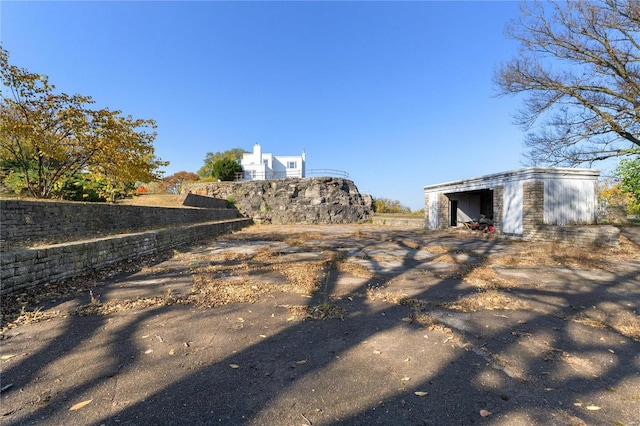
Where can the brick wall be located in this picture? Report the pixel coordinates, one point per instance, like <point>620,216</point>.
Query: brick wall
<point>498,208</point>
<point>25,268</point>
<point>532,206</point>
<point>426,211</point>
<point>443,211</point>
<point>580,235</point>
<point>33,220</point>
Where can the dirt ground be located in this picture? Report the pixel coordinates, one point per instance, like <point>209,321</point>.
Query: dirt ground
<point>341,324</point>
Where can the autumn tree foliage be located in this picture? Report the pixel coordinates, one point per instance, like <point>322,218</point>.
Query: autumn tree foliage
<point>173,183</point>
<point>387,205</point>
<point>579,69</point>
<point>48,138</point>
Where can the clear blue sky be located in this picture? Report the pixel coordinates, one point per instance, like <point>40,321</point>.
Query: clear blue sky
<point>397,94</point>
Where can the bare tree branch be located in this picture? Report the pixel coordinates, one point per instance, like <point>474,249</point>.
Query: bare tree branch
<point>579,69</point>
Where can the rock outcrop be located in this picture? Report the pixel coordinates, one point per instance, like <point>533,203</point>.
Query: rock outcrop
<point>292,200</point>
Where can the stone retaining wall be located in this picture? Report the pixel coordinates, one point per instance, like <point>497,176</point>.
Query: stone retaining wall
<point>33,220</point>
<point>195,200</point>
<point>292,200</point>
<point>28,268</point>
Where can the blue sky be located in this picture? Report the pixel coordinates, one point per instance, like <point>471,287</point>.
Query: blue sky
<point>397,94</point>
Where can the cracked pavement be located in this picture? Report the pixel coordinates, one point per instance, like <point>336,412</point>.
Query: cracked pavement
<point>338,324</point>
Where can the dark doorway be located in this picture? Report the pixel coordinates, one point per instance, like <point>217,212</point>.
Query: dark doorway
<point>453,209</point>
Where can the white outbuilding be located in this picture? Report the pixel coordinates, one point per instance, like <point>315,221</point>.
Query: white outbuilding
<point>519,202</point>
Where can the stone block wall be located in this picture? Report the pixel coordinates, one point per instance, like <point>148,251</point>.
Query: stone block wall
<point>34,220</point>
<point>26,268</point>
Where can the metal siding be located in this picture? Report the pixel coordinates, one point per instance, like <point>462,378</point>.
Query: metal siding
<point>512,208</point>
<point>433,211</point>
<point>568,202</point>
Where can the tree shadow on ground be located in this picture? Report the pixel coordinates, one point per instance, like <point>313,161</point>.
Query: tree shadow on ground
<point>379,365</point>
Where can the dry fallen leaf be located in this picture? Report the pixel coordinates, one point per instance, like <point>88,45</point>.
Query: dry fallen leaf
<point>593,408</point>
<point>377,352</point>
<point>79,405</point>
<point>420,393</point>
<point>485,413</point>
<point>302,361</point>
<point>7,356</point>
<point>234,366</point>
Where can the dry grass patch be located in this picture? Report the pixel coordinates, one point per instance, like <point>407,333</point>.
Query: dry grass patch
<point>157,200</point>
<point>29,317</point>
<point>437,249</point>
<point>565,254</point>
<point>326,311</point>
<point>321,311</point>
<point>304,238</point>
<point>487,300</point>
<point>355,269</point>
<point>97,308</point>
<point>377,293</point>
<point>412,244</point>
<point>486,277</point>
<point>210,292</point>
<point>305,277</point>
<point>624,322</point>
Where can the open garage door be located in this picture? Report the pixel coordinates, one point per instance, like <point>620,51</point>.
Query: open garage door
<point>470,206</point>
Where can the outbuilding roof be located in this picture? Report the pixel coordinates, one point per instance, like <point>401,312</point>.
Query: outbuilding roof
<point>529,173</point>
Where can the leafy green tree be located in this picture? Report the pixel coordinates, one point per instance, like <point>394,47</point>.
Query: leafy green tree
<point>579,68</point>
<point>628,172</point>
<point>226,169</point>
<point>48,138</point>
<point>80,187</point>
<point>211,158</point>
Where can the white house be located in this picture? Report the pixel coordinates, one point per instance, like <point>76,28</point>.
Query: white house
<point>263,166</point>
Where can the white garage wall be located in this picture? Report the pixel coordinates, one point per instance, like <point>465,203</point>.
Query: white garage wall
<point>512,208</point>
<point>433,211</point>
<point>568,202</point>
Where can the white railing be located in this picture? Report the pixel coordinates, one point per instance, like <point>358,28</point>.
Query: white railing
<point>252,175</point>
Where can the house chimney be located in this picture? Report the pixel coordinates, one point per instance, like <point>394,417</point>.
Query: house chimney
<point>257,153</point>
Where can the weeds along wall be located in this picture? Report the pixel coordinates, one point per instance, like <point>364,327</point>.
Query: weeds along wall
<point>40,220</point>
<point>47,242</point>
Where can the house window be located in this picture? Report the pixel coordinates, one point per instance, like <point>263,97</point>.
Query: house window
<point>266,162</point>
<point>253,174</point>
<point>292,165</point>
